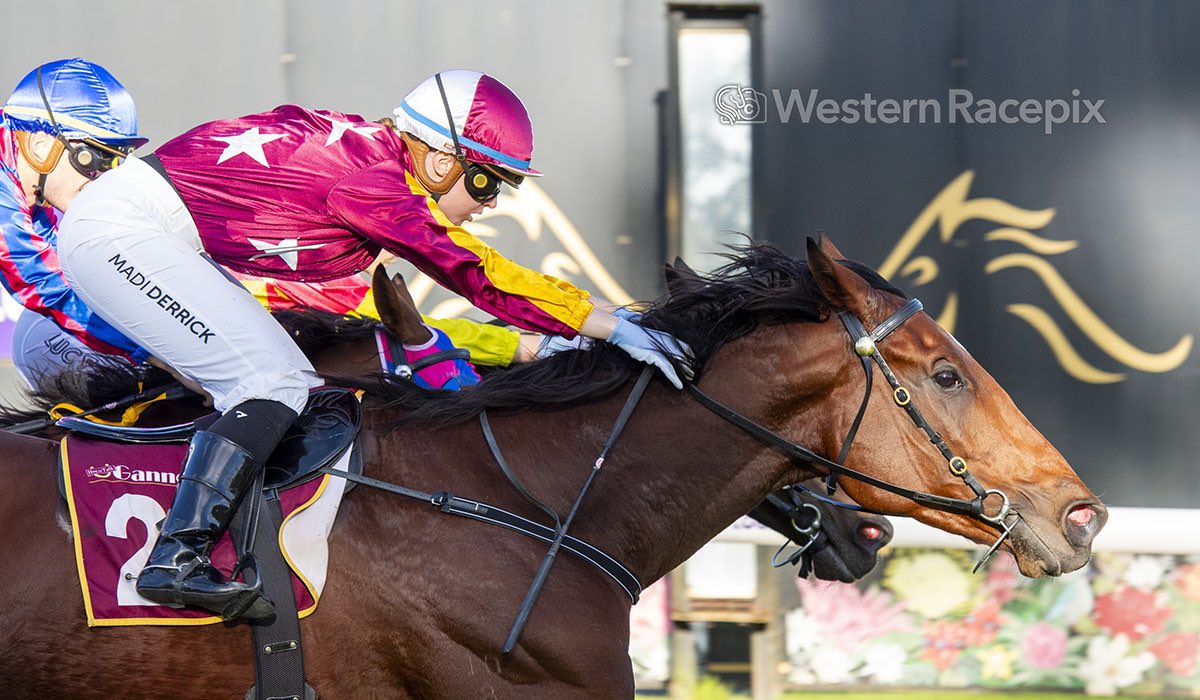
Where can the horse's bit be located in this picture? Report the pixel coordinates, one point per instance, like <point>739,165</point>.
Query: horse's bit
<point>795,512</point>
<point>866,346</point>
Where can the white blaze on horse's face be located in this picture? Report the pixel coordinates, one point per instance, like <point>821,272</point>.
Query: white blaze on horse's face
<point>1055,516</point>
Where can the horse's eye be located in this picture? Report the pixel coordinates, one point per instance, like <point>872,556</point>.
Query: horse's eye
<point>947,379</point>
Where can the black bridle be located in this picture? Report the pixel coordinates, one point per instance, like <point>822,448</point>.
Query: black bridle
<point>866,347</point>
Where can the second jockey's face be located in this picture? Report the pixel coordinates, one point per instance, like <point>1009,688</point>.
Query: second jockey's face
<point>459,206</point>
<point>61,184</point>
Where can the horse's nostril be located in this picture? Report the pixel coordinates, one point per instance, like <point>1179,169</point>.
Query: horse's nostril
<point>870,533</point>
<point>1082,522</point>
<point>1081,515</point>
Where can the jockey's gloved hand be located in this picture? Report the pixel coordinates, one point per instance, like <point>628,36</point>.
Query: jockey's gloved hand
<point>627,314</point>
<point>556,343</point>
<point>650,346</point>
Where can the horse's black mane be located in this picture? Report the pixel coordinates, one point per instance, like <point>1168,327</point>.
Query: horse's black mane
<point>760,285</point>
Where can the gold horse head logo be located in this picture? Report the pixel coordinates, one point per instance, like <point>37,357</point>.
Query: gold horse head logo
<point>950,209</point>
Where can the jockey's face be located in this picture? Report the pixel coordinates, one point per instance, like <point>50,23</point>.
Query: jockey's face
<point>62,183</point>
<point>459,206</point>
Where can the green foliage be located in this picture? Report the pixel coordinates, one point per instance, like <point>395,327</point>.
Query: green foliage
<point>710,688</point>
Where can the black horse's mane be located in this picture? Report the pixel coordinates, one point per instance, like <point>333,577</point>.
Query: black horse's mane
<point>759,285</point>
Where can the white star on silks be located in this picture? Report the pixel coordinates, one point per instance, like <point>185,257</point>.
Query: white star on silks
<point>287,249</point>
<point>339,129</point>
<point>249,142</point>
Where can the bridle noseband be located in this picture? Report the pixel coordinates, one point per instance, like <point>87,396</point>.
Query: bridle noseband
<point>866,347</point>
<point>393,358</point>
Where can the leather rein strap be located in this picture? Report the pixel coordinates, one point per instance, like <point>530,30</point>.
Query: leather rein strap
<point>639,388</point>
<point>487,513</point>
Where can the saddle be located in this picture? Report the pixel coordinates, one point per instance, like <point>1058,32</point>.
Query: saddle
<point>321,437</point>
<point>322,433</point>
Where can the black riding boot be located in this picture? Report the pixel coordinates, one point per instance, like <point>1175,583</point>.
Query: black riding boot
<point>216,475</point>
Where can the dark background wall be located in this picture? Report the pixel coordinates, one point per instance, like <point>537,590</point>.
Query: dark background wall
<point>1126,191</point>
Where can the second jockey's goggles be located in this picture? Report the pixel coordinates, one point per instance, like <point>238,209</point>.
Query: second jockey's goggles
<point>93,158</point>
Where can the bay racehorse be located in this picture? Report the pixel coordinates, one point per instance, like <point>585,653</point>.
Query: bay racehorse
<point>417,604</point>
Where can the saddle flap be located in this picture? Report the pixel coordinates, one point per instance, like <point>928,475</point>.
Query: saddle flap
<point>320,435</point>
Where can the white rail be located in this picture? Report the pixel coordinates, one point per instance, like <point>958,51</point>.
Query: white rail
<point>1135,530</point>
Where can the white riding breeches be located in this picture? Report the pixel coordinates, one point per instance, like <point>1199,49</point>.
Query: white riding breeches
<point>129,248</point>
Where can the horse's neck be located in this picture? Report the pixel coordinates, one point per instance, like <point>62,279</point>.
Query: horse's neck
<point>677,476</point>
<point>680,474</point>
<point>351,359</point>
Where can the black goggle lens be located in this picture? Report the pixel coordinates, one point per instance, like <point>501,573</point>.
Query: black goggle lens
<point>93,159</point>
<point>482,186</point>
<point>484,181</point>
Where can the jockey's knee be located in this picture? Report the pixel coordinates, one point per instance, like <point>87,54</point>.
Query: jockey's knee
<point>256,426</point>
<point>284,385</point>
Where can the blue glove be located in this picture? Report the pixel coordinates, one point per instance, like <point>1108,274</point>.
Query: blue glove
<point>556,343</point>
<point>627,313</point>
<point>650,346</point>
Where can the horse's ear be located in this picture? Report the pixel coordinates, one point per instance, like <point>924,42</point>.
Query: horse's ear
<point>397,309</point>
<point>677,272</point>
<point>827,245</point>
<point>684,267</point>
<point>842,287</point>
<point>672,274</point>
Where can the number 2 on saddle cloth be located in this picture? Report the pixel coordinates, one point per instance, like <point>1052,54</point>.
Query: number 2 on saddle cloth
<point>113,493</point>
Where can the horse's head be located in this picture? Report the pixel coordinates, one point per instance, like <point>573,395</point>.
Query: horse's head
<point>840,544</point>
<point>1055,515</point>
<point>422,353</point>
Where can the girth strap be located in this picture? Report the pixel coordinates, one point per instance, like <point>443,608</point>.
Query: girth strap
<point>278,650</point>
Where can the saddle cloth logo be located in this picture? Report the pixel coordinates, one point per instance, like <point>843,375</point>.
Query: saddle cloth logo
<point>118,493</point>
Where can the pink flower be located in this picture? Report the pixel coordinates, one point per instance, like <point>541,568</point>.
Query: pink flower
<point>1178,652</point>
<point>852,617</point>
<point>982,624</point>
<point>1044,645</point>
<point>943,644</point>
<point>1002,580</point>
<point>1131,612</point>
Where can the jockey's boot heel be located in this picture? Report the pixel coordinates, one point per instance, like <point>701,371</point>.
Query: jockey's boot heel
<point>215,477</point>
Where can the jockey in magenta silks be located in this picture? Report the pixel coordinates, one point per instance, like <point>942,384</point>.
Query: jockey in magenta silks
<point>304,195</point>
<point>65,123</point>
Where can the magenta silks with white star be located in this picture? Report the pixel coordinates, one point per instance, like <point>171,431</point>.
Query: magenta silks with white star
<point>311,195</point>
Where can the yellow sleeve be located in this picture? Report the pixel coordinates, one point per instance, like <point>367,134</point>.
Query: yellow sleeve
<point>490,346</point>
